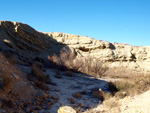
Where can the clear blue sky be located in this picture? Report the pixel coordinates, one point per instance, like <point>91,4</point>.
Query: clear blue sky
<point>124,21</point>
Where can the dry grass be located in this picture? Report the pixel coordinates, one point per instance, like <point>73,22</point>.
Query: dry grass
<point>77,95</point>
<point>111,103</point>
<point>93,67</point>
<point>10,56</point>
<point>41,79</point>
<point>14,89</point>
<point>37,70</point>
<point>6,82</point>
<point>72,101</point>
<point>120,89</point>
<point>12,60</point>
<point>41,85</point>
<point>131,87</point>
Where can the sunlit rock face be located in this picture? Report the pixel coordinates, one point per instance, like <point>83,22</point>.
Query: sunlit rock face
<point>122,59</point>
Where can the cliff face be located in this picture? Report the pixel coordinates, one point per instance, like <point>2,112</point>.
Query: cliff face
<point>122,59</point>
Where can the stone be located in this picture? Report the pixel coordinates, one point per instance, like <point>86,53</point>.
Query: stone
<point>66,109</point>
<point>8,43</point>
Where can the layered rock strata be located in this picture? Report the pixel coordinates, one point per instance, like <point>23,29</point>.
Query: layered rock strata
<point>122,59</point>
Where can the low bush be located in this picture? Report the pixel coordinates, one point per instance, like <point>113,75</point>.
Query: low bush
<point>41,79</point>
<point>10,56</point>
<point>37,70</point>
<point>94,67</point>
<point>86,65</point>
<point>7,82</point>
<point>69,73</point>
<point>41,85</point>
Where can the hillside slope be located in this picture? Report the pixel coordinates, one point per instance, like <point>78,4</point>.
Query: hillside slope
<point>121,59</point>
<point>48,64</point>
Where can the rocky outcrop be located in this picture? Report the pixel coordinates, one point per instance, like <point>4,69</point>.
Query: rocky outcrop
<point>105,50</point>
<point>66,109</point>
<point>122,59</point>
<point>26,41</point>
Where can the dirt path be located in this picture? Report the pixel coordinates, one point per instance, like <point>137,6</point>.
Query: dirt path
<point>66,87</point>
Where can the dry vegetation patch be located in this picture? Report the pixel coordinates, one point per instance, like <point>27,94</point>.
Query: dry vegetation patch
<point>6,81</point>
<point>69,73</point>
<point>14,89</point>
<point>86,65</point>
<point>120,89</point>
<point>38,76</point>
<point>131,86</point>
<point>10,55</point>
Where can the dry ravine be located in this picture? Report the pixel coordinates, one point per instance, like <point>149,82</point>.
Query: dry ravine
<point>66,87</point>
<point>41,72</point>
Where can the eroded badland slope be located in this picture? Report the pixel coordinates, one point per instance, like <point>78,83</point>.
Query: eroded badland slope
<point>32,68</point>
<point>129,59</point>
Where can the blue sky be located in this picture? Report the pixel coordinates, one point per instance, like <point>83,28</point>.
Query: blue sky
<point>123,21</point>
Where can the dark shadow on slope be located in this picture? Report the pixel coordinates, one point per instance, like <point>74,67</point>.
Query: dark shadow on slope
<point>79,90</point>
<point>29,45</point>
<point>27,42</point>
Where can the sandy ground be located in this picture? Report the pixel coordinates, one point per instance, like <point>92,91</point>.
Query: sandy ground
<point>137,104</point>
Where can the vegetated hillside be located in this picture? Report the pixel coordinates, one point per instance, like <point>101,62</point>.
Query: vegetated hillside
<point>36,66</point>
